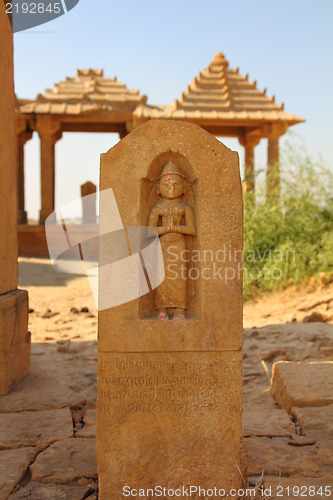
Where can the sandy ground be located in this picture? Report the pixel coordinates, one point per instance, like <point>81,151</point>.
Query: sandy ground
<point>52,455</point>
<point>56,301</point>
<point>293,304</point>
<point>63,325</point>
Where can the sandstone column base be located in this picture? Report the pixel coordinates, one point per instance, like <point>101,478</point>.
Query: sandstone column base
<point>43,214</point>
<point>14,339</point>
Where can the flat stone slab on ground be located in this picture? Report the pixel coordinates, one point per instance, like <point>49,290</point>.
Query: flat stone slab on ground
<point>13,466</point>
<point>40,491</point>
<point>66,461</point>
<point>38,391</point>
<point>89,428</point>
<point>27,428</point>
<point>300,487</point>
<point>302,384</point>
<point>76,371</point>
<point>275,456</point>
<point>266,420</point>
<point>316,423</point>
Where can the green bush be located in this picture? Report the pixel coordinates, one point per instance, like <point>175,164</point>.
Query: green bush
<point>289,238</point>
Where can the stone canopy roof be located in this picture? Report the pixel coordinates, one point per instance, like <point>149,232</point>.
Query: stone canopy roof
<point>219,99</point>
<point>88,91</point>
<point>221,94</point>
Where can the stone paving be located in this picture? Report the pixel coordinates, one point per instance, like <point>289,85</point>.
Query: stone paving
<point>48,423</point>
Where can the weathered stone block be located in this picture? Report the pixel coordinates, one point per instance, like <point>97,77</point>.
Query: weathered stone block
<point>13,466</point>
<point>29,428</point>
<point>12,372</point>
<point>316,423</point>
<point>66,461</point>
<point>302,384</point>
<point>277,457</point>
<point>14,339</point>
<point>266,420</point>
<point>13,323</point>
<point>39,491</point>
<point>38,391</point>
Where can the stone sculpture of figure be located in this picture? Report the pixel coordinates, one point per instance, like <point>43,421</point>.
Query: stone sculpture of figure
<point>173,219</point>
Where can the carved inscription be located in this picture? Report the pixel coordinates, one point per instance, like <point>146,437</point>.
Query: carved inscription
<point>177,386</point>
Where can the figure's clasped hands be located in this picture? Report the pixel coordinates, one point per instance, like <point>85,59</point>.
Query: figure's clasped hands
<point>172,228</point>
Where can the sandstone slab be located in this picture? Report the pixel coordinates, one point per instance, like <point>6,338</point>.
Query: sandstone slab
<point>316,423</point>
<point>40,491</point>
<point>76,371</point>
<point>14,370</point>
<point>13,319</point>
<point>14,339</point>
<point>302,384</point>
<point>13,466</point>
<point>29,428</point>
<point>276,457</point>
<point>266,420</point>
<point>66,461</point>
<point>38,391</point>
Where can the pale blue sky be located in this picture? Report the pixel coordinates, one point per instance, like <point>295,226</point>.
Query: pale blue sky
<point>158,47</point>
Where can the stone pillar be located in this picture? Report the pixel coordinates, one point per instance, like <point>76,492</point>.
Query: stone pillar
<point>88,204</point>
<point>273,168</point>
<point>249,141</point>
<point>22,138</point>
<point>170,390</point>
<point>49,132</point>
<point>14,336</point>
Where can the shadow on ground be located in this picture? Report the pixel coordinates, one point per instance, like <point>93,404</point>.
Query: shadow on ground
<point>39,272</point>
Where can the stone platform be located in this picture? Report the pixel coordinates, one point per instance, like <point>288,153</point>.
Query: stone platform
<point>31,238</point>
<point>48,423</point>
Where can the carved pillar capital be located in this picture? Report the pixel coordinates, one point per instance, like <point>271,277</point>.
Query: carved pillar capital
<point>24,137</point>
<point>48,126</point>
<point>275,130</point>
<point>250,139</point>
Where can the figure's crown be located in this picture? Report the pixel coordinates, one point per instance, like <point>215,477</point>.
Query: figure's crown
<point>170,168</point>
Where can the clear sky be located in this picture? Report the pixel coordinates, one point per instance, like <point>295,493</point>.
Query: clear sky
<point>159,46</point>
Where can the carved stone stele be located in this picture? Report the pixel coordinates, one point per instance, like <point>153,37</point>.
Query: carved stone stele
<point>170,392</point>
